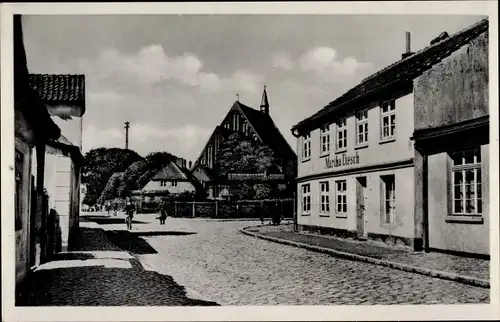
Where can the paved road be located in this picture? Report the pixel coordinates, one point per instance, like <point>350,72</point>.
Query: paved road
<point>220,264</point>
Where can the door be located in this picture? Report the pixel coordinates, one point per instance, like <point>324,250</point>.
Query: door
<point>360,207</point>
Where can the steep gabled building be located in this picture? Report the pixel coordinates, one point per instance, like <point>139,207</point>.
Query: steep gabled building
<point>253,125</point>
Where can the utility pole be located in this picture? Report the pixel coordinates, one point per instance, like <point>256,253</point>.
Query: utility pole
<point>127,126</point>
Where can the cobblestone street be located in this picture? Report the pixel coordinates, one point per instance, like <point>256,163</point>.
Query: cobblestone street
<point>220,264</point>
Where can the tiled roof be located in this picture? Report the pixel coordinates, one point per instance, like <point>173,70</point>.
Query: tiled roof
<point>170,172</point>
<point>404,70</point>
<point>25,98</point>
<point>56,88</point>
<point>267,131</point>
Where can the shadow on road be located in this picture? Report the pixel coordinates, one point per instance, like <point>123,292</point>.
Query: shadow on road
<point>105,220</point>
<point>129,242</point>
<point>102,286</point>
<point>84,279</point>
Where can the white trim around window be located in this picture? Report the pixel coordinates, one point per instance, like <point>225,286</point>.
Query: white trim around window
<point>341,198</point>
<point>306,199</point>
<point>388,194</point>
<point>324,139</point>
<point>466,183</point>
<point>362,128</point>
<point>306,147</point>
<point>388,120</point>
<point>324,188</point>
<point>341,138</point>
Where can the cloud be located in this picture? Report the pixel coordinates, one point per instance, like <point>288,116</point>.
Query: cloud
<point>323,63</point>
<point>150,65</point>
<point>283,61</point>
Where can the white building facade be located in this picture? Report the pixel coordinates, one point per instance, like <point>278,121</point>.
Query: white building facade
<point>355,172</point>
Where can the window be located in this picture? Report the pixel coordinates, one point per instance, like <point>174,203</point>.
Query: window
<point>341,193</point>
<point>388,192</point>
<point>163,183</point>
<point>362,127</point>
<point>466,181</point>
<point>245,127</point>
<point>325,139</point>
<point>341,134</point>
<point>388,115</point>
<point>236,122</point>
<point>306,198</point>
<point>227,125</point>
<point>209,155</point>
<point>306,150</point>
<point>174,183</point>
<point>325,197</point>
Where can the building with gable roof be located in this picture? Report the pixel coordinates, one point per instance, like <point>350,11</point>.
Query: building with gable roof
<point>38,134</point>
<point>173,179</point>
<point>254,125</point>
<point>357,156</point>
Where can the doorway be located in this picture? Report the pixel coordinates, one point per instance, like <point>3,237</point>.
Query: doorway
<point>361,207</point>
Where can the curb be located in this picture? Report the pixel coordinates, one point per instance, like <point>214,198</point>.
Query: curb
<point>468,280</point>
<point>235,219</point>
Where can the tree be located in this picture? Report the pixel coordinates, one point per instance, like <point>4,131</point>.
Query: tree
<point>99,165</point>
<point>140,173</point>
<point>237,154</point>
<point>111,189</point>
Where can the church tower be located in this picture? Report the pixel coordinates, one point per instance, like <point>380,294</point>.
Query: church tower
<point>264,103</point>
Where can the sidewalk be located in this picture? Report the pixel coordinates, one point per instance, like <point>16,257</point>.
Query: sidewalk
<point>470,271</point>
<point>99,273</point>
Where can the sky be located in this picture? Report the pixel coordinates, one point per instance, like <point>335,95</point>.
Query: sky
<point>174,77</point>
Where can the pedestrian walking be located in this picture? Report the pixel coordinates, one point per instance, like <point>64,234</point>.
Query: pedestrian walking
<point>129,211</point>
<point>115,208</point>
<point>162,209</point>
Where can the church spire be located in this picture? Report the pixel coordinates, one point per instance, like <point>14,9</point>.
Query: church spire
<point>264,103</point>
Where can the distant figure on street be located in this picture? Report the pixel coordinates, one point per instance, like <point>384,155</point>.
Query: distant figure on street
<point>115,208</point>
<point>129,211</point>
<point>162,209</point>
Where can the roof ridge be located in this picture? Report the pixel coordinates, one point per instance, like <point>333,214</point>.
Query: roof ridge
<point>364,85</point>
<point>456,34</point>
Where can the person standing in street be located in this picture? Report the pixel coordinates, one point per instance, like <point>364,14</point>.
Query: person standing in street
<point>129,212</point>
<point>162,208</point>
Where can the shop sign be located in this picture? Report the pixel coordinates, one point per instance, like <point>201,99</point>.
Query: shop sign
<point>342,160</point>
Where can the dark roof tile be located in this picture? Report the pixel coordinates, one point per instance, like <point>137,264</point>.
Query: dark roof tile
<point>58,88</point>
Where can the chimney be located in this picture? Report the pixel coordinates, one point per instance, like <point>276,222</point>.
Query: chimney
<point>190,164</point>
<point>408,51</point>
